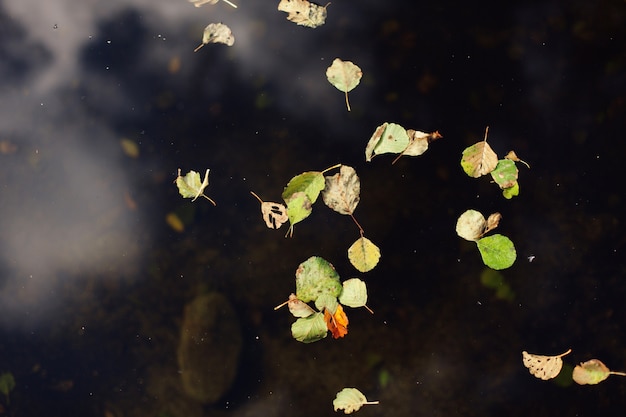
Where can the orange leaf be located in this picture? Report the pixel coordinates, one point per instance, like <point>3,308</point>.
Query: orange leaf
<point>337,323</point>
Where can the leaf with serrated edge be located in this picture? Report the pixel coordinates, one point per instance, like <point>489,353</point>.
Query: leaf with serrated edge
<point>344,75</point>
<point>309,329</point>
<point>388,138</point>
<point>354,293</point>
<point>364,254</point>
<point>190,186</point>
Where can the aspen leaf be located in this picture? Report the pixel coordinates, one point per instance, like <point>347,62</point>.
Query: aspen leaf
<point>274,214</point>
<point>341,192</point>
<point>190,186</point>
<point>336,322</point>
<point>543,367</point>
<point>497,251</point>
<point>354,293</point>
<point>592,372</point>
<point>309,329</point>
<point>388,138</point>
<point>216,33</point>
<point>470,225</point>
<point>199,3</point>
<point>315,277</point>
<point>364,254</point>
<point>345,76</point>
<point>303,12</point>
<point>479,159</point>
<point>505,173</point>
<point>350,400</point>
<point>299,207</point>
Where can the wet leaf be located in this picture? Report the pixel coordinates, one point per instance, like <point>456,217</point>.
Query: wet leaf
<point>315,277</point>
<point>418,143</point>
<point>309,329</point>
<point>479,159</point>
<point>303,12</point>
<point>130,148</point>
<point>350,400</point>
<point>511,192</point>
<point>354,293</point>
<point>470,225</point>
<point>592,372</point>
<point>310,183</point>
<point>364,254</point>
<point>344,75</point>
<point>274,214</point>
<point>326,301</point>
<point>190,186</point>
<point>497,251</point>
<point>342,191</point>
<point>505,173</point>
<point>199,3</point>
<point>175,222</point>
<point>543,367</point>
<point>388,138</point>
<point>297,307</point>
<point>299,207</point>
<point>216,33</point>
<point>336,322</point>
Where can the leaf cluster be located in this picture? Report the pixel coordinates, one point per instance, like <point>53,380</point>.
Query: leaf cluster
<point>318,282</point>
<point>393,138</point>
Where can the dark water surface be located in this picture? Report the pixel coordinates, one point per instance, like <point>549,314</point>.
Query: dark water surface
<point>93,280</point>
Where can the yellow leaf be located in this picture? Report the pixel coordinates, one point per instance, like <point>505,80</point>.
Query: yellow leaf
<point>543,367</point>
<point>363,254</point>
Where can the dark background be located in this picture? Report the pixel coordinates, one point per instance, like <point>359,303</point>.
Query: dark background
<point>93,281</point>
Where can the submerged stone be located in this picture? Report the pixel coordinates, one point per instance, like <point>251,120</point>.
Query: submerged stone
<point>209,347</point>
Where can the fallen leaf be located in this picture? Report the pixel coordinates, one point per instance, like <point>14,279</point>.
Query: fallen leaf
<point>274,214</point>
<point>216,33</point>
<point>543,367</point>
<point>342,191</point>
<point>513,157</point>
<point>175,222</point>
<point>297,307</point>
<point>354,293</point>
<point>350,400</point>
<point>497,251</point>
<point>418,143</point>
<point>315,277</point>
<point>344,75</point>
<point>471,225</point>
<point>592,372</point>
<point>309,329</point>
<point>337,323</point>
<point>303,12</point>
<point>364,254</point>
<point>388,138</point>
<point>479,159</point>
<point>190,186</point>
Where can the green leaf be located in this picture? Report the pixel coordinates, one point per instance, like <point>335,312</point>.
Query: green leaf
<point>350,400</point>
<point>354,293</point>
<point>310,183</point>
<point>363,254</point>
<point>190,186</point>
<point>497,251</point>
<point>388,138</point>
<point>592,372</point>
<point>316,277</point>
<point>309,329</point>
<point>511,192</point>
<point>505,173</point>
<point>298,209</point>
<point>326,301</point>
<point>344,75</point>
<point>471,225</point>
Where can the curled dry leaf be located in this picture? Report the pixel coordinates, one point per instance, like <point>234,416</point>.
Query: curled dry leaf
<point>513,157</point>
<point>350,400</point>
<point>190,186</point>
<point>274,214</point>
<point>592,372</point>
<point>216,33</point>
<point>543,367</point>
<point>303,12</point>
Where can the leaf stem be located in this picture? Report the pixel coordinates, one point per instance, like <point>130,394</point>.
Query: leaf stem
<point>361,232</point>
<point>347,102</point>
<point>618,373</point>
<point>232,4</point>
<point>257,197</point>
<point>328,169</point>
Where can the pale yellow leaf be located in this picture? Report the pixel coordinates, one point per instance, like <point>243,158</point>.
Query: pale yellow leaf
<point>542,366</point>
<point>363,254</point>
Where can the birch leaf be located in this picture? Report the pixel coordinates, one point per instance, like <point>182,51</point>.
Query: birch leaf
<point>418,143</point>
<point>543,367</point>
<point>309,329</point>
<point>354,293</point>
<point>344,75</point>
<point>364,254</point>
<point>216,33</point>
<point>314,277</point>
<point>505,173</point>
<point>497,251</point>
<point>350,400</point>
<point>310,183</point>
<point>470,225</point>
<point>199,3</point>
<point>342,191</point>
<point>303,12</point>
<point>298,307</point>
<point>299,207</point>
<point>479,159</point>
<point>388,138</point>
<point>592,372</point>
<point>274,214</point>
<point>190,186</point>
